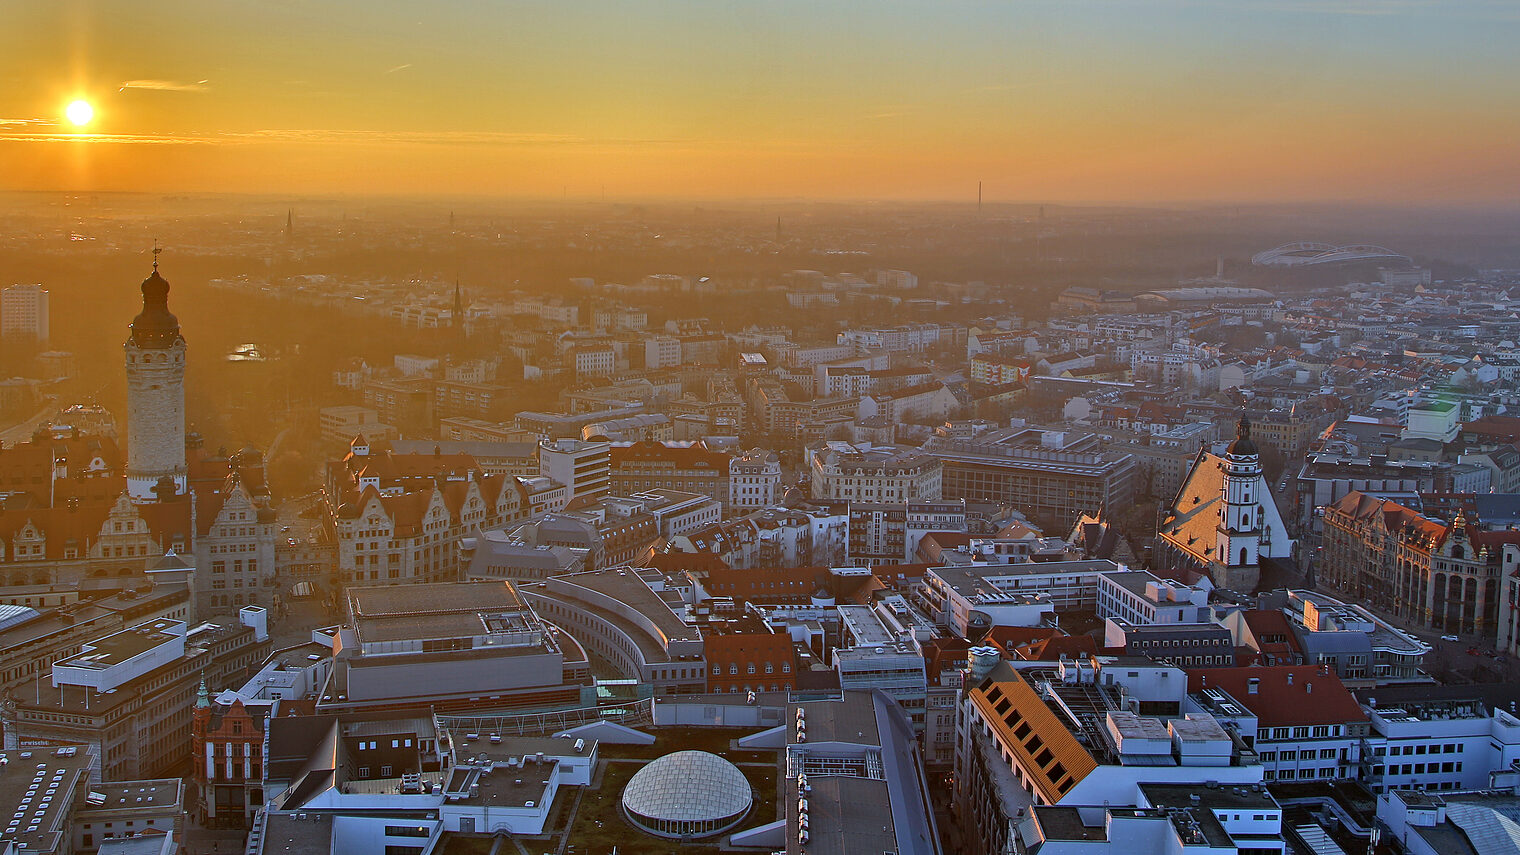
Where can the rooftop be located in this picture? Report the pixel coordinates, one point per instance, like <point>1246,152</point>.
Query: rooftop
<point>119,647</point>
<point>1254,797</point>
<point>627,586</point>
<point>837,720</point>
<point>135,795</point>
<point>37,790</point>
<point>971,579</point>
<point>286,834</point>
<point>517,787</point>
<point>442,610</point>
<point>847,815</point>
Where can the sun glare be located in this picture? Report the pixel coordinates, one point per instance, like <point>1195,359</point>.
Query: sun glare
<point>80,112</point>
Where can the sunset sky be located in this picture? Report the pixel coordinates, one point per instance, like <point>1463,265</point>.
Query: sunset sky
<point>1067,100</point>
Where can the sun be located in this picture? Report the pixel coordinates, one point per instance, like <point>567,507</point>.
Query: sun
<point>79,112</point>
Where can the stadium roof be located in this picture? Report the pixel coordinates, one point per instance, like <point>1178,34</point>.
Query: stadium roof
<point>1307,253</point>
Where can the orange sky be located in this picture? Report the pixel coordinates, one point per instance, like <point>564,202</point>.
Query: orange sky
<point>1079,100</point>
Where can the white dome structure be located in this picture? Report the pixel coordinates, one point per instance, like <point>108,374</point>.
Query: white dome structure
<point>687,794</point>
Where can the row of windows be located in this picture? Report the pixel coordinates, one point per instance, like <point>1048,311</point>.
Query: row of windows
<point>1302,774</point>
<point>1306,754</point>
<point>1316,732</point>
<point>1419,768</point>
<point>733,669</point>
<point>1409,750</point>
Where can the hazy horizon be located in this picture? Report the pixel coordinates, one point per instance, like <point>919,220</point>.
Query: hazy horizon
<point>1160,102</point>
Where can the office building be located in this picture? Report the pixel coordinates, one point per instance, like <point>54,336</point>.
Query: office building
<point>1051,477</point>
<point>460,646</point>
<point>24,312</point>
<point>130,694</point>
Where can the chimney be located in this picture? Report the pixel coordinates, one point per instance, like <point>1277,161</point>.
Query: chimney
<point>1308,688</point>
<point>1290,678</point>
<point>1252,685</point>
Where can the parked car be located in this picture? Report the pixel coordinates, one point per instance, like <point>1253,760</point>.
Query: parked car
<point>1450,638</point>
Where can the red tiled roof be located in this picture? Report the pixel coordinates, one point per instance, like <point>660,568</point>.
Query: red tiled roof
<point>168,520</point>
<point>697,563</point>
<point>944,654</point>
<point>892,573</point>
<point>1056,646</point>
<point>934,544</point>
<point>1286,696</point>
<point>1010,637</point>
<point>680,457</point>
<point>782,584</point>
<point>1270,623</point>
<point>1498,426</point>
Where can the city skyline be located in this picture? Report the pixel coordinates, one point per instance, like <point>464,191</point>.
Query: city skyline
<point>1126,102</point>
<point>1053,427</point>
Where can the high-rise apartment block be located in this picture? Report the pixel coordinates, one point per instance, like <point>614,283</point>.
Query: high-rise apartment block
<point>24,312</point>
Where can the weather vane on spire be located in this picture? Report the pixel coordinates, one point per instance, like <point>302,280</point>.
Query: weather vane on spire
<point>156,250</point>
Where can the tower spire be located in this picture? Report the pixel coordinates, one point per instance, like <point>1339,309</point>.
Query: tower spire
<point>155,363</point>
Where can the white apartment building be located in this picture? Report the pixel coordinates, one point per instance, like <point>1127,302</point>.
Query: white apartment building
<point>865,473</point>
<point>584,467</point>
<point>1437,420</point>
<point>1302,722</point>
<point>663,351</point>
<point>1440,745</point>
<point>909,337</point>
<point>595,361</point>
<point>754,479</point>
<point>1140,598</point>
<point>412,365</point>
<point>950,594</point>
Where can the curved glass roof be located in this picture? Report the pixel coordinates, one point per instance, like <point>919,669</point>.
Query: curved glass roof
<point>688,786</point>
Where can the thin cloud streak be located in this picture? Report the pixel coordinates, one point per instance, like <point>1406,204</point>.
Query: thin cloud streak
<point>332,137</point>
<point>165,86</point>
<point>329,137</point>
<point>394,69</point>
<point>128,139</point>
